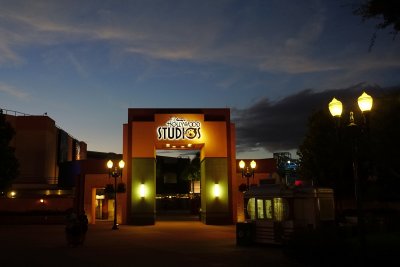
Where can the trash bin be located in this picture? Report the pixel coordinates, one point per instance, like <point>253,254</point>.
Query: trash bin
<point>244,233</point>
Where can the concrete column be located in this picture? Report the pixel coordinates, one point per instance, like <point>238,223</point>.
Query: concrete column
<point>142,192</point>
<point>215,209</point>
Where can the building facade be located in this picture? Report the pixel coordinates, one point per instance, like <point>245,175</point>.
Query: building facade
<point>56,172</point>
<point>41,148</point>
<point>208,130</point>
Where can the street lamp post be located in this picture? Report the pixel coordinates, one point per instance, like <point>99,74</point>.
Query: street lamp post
<point>117,172</point>
<point>365,104</point>
<point>246,171</point>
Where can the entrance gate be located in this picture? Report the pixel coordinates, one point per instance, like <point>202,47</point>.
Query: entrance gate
<point>208,130</point>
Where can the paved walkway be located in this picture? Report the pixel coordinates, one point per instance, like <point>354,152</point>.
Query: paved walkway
<point>169,244</point>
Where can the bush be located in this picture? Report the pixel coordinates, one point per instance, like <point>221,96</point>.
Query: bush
<point>317,247</point>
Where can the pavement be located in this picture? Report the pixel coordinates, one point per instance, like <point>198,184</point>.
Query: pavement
<point>167,243</point>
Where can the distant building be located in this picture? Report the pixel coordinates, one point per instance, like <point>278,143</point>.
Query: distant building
<point>41,148</point>
<point>287,167</point>
<point>266,172</point>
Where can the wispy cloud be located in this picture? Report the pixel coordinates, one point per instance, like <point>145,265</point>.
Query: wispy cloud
<point>12,91</point>
<point>79,67</point>
<point>258,36</point>
<point>165,53</point>
<point>295,53</point>
<point>6,53</point>
<point>134,29</point>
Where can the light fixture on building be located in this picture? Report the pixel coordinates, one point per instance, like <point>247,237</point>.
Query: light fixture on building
<point>12,194</point>
<point>217,190</point>
<point>142,191</point>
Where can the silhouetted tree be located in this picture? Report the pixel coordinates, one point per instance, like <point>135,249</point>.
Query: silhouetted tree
<point>322,154</point>
<point>192,170</point>
<point>282,159</point>
<point>387,11</point>
<point>8,162</point>
<point>384,145</point>
<point>326,152</point>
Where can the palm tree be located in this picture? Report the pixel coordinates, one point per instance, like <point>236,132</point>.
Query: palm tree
<point>192,172</point>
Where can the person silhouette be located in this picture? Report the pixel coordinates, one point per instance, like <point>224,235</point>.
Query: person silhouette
<point>72,228</point>
<point>83,221</point>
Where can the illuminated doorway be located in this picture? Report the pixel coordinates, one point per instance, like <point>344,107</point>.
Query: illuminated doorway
<point>100,214</point>
<point>104,205</point>
<point>178,177</point>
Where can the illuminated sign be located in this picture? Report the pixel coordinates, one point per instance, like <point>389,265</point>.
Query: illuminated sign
<point>179,129</point>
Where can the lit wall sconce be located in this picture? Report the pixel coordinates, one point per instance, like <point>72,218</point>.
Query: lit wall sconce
<point>217,190</point>
<point>12,194</point>
<point>142,191</point>
<point>41,200</point>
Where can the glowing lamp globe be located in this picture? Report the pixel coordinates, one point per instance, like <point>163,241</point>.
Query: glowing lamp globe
<point>121,164</point>
<point>241,164</point>
<point>335,107</point>
<point>110,164</point>
<point>253,164</point>
<point>365,102</point>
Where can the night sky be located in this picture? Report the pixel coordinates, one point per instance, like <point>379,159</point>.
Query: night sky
<point>272,62</point>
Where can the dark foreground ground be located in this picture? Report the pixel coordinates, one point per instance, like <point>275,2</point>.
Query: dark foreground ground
<point>182,243</point>
<point>179,243</point>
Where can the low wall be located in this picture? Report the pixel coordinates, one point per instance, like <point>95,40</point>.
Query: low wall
<point>32,219</point>
<point>34,204</point>
<point>33,211</point>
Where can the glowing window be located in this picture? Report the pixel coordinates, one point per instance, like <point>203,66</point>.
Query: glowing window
<point>268,209</point>
<point>281,209</point>
<point>260,209</point>
<point>251,208</point>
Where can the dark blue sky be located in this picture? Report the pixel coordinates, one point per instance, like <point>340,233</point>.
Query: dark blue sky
<point>86,62</point>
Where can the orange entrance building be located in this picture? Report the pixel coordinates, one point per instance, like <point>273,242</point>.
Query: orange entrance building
<point>208,130</point>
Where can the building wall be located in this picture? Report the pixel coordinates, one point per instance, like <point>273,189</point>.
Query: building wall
<point>233,187</point>
<point>35,144</point>
<point>51,204</point>
<point>215,209</point>
<point>37,148</point>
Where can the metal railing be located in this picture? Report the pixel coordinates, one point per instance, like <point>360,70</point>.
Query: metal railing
<point>17,113</point>
<point>13,112</point>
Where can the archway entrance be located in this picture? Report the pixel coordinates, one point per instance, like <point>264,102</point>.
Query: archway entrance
<point>178,196</point>
<point>207,130</point>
